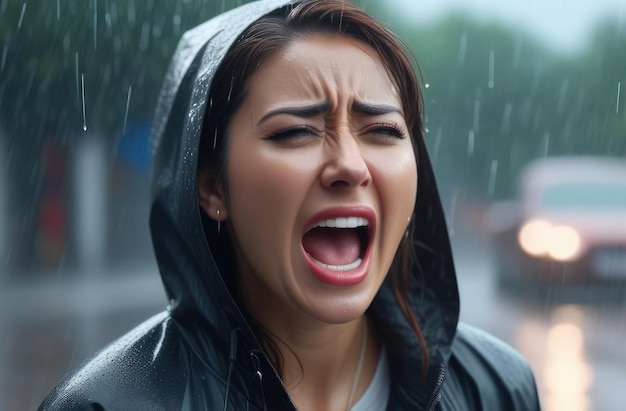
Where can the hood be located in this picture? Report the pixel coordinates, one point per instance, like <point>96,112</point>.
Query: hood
<point>193,282</point>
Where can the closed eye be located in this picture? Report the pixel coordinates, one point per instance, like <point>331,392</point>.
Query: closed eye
<point>387,131</point>
<point>295,133</point>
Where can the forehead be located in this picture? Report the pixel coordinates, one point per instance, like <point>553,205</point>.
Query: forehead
<point>324,67</point>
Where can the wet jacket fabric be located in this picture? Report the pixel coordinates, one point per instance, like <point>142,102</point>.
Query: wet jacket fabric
<point>200,353</point>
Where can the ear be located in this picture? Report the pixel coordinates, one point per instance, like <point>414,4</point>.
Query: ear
<point>211,197</point>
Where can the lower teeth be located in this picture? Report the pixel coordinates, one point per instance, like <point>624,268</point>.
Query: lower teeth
<point>346,267</point>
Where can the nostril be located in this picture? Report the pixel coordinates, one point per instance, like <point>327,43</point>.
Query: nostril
<point>339,184</point>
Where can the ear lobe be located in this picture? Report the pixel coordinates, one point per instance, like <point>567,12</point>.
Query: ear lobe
<point>211,198</point>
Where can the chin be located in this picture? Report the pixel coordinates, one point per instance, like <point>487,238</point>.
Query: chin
<point>342,309</point>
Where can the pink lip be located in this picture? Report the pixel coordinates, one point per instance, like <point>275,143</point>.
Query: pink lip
<point>343,278</point>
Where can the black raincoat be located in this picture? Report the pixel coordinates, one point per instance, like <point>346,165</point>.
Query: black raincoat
<point>200,354</point>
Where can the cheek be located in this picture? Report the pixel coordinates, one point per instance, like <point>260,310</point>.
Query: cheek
<point>265,188</point>
<point>397,176</point>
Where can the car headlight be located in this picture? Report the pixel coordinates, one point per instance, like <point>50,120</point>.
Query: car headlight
<point>539,238</point>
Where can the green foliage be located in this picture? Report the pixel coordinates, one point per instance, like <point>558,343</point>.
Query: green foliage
<point>50,46</point>
<point>539,102</point>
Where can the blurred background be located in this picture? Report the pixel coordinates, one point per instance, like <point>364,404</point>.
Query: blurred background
<point>525,106</point>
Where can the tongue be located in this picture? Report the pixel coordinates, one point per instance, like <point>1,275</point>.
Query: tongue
<point>333,246</point>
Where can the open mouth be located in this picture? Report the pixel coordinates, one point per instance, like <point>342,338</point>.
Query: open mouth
<point>338,244</point>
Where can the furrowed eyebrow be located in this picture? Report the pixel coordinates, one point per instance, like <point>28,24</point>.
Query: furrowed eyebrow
<point>374,109</point>
<point>303,111</point>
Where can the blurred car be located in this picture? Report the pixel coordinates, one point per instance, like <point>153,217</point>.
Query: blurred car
<point>567,226</point>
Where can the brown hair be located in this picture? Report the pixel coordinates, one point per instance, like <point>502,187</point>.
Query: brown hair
<point>273,33</point>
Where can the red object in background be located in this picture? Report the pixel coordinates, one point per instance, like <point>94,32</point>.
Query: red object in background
<point>52,216</point>
<point>52,221</point>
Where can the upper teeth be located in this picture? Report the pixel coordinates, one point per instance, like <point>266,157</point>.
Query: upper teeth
<point>343,222</point>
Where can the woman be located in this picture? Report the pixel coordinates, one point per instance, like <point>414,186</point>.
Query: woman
<point>299,234</point>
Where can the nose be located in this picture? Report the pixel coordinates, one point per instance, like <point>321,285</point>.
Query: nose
<point>345,166</point>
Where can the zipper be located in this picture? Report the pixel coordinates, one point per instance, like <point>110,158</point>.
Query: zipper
<point>435,397</point>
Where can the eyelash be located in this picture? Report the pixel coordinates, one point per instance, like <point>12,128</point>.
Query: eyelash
<point>291,132</point>
<point>388,129</point>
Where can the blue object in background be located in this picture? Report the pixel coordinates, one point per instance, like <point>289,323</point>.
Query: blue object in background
<point>133,150</point>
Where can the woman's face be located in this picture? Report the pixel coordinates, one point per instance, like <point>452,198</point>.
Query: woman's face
<point>320,140</point>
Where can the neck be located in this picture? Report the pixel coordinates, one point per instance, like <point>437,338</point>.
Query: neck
<point>326,366</point>
<point>320,358</point>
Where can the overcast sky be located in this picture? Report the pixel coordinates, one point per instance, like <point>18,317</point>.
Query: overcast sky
<point>562,24</point>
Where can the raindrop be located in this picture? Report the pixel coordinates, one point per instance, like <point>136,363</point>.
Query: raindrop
<point>3,7</point>
<point>453,206</point>
<point>492,56</point>
<point>476,115</point>
<point>215,138</point>
<point>82,84</point>
<point>437,144</point>
<point>341,20</point>
<point>130,89</point>
<point>230,90</point>
<point>462,47</point>
<point>619,90</point>
<point>492,177</point>
<point>112,11</point>
<point>4,57</point>
<point>470,143</point>
<point>131,13</point>
<point>427,85</point>
<point>58,9</point>
<point>176,20</point>
<point>506,118</point>
<point>95,24</point>
<point>545,144</point>
<point>19,23</point>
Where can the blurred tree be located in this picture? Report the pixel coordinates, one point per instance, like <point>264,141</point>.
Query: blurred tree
<point>67,64</point>
<point>496,99</point>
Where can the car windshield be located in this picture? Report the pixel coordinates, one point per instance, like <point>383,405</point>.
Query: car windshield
<point>584,196</point>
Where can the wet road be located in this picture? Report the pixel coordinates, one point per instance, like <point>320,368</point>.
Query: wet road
<point>574,341</point>
<point>47,327</point>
